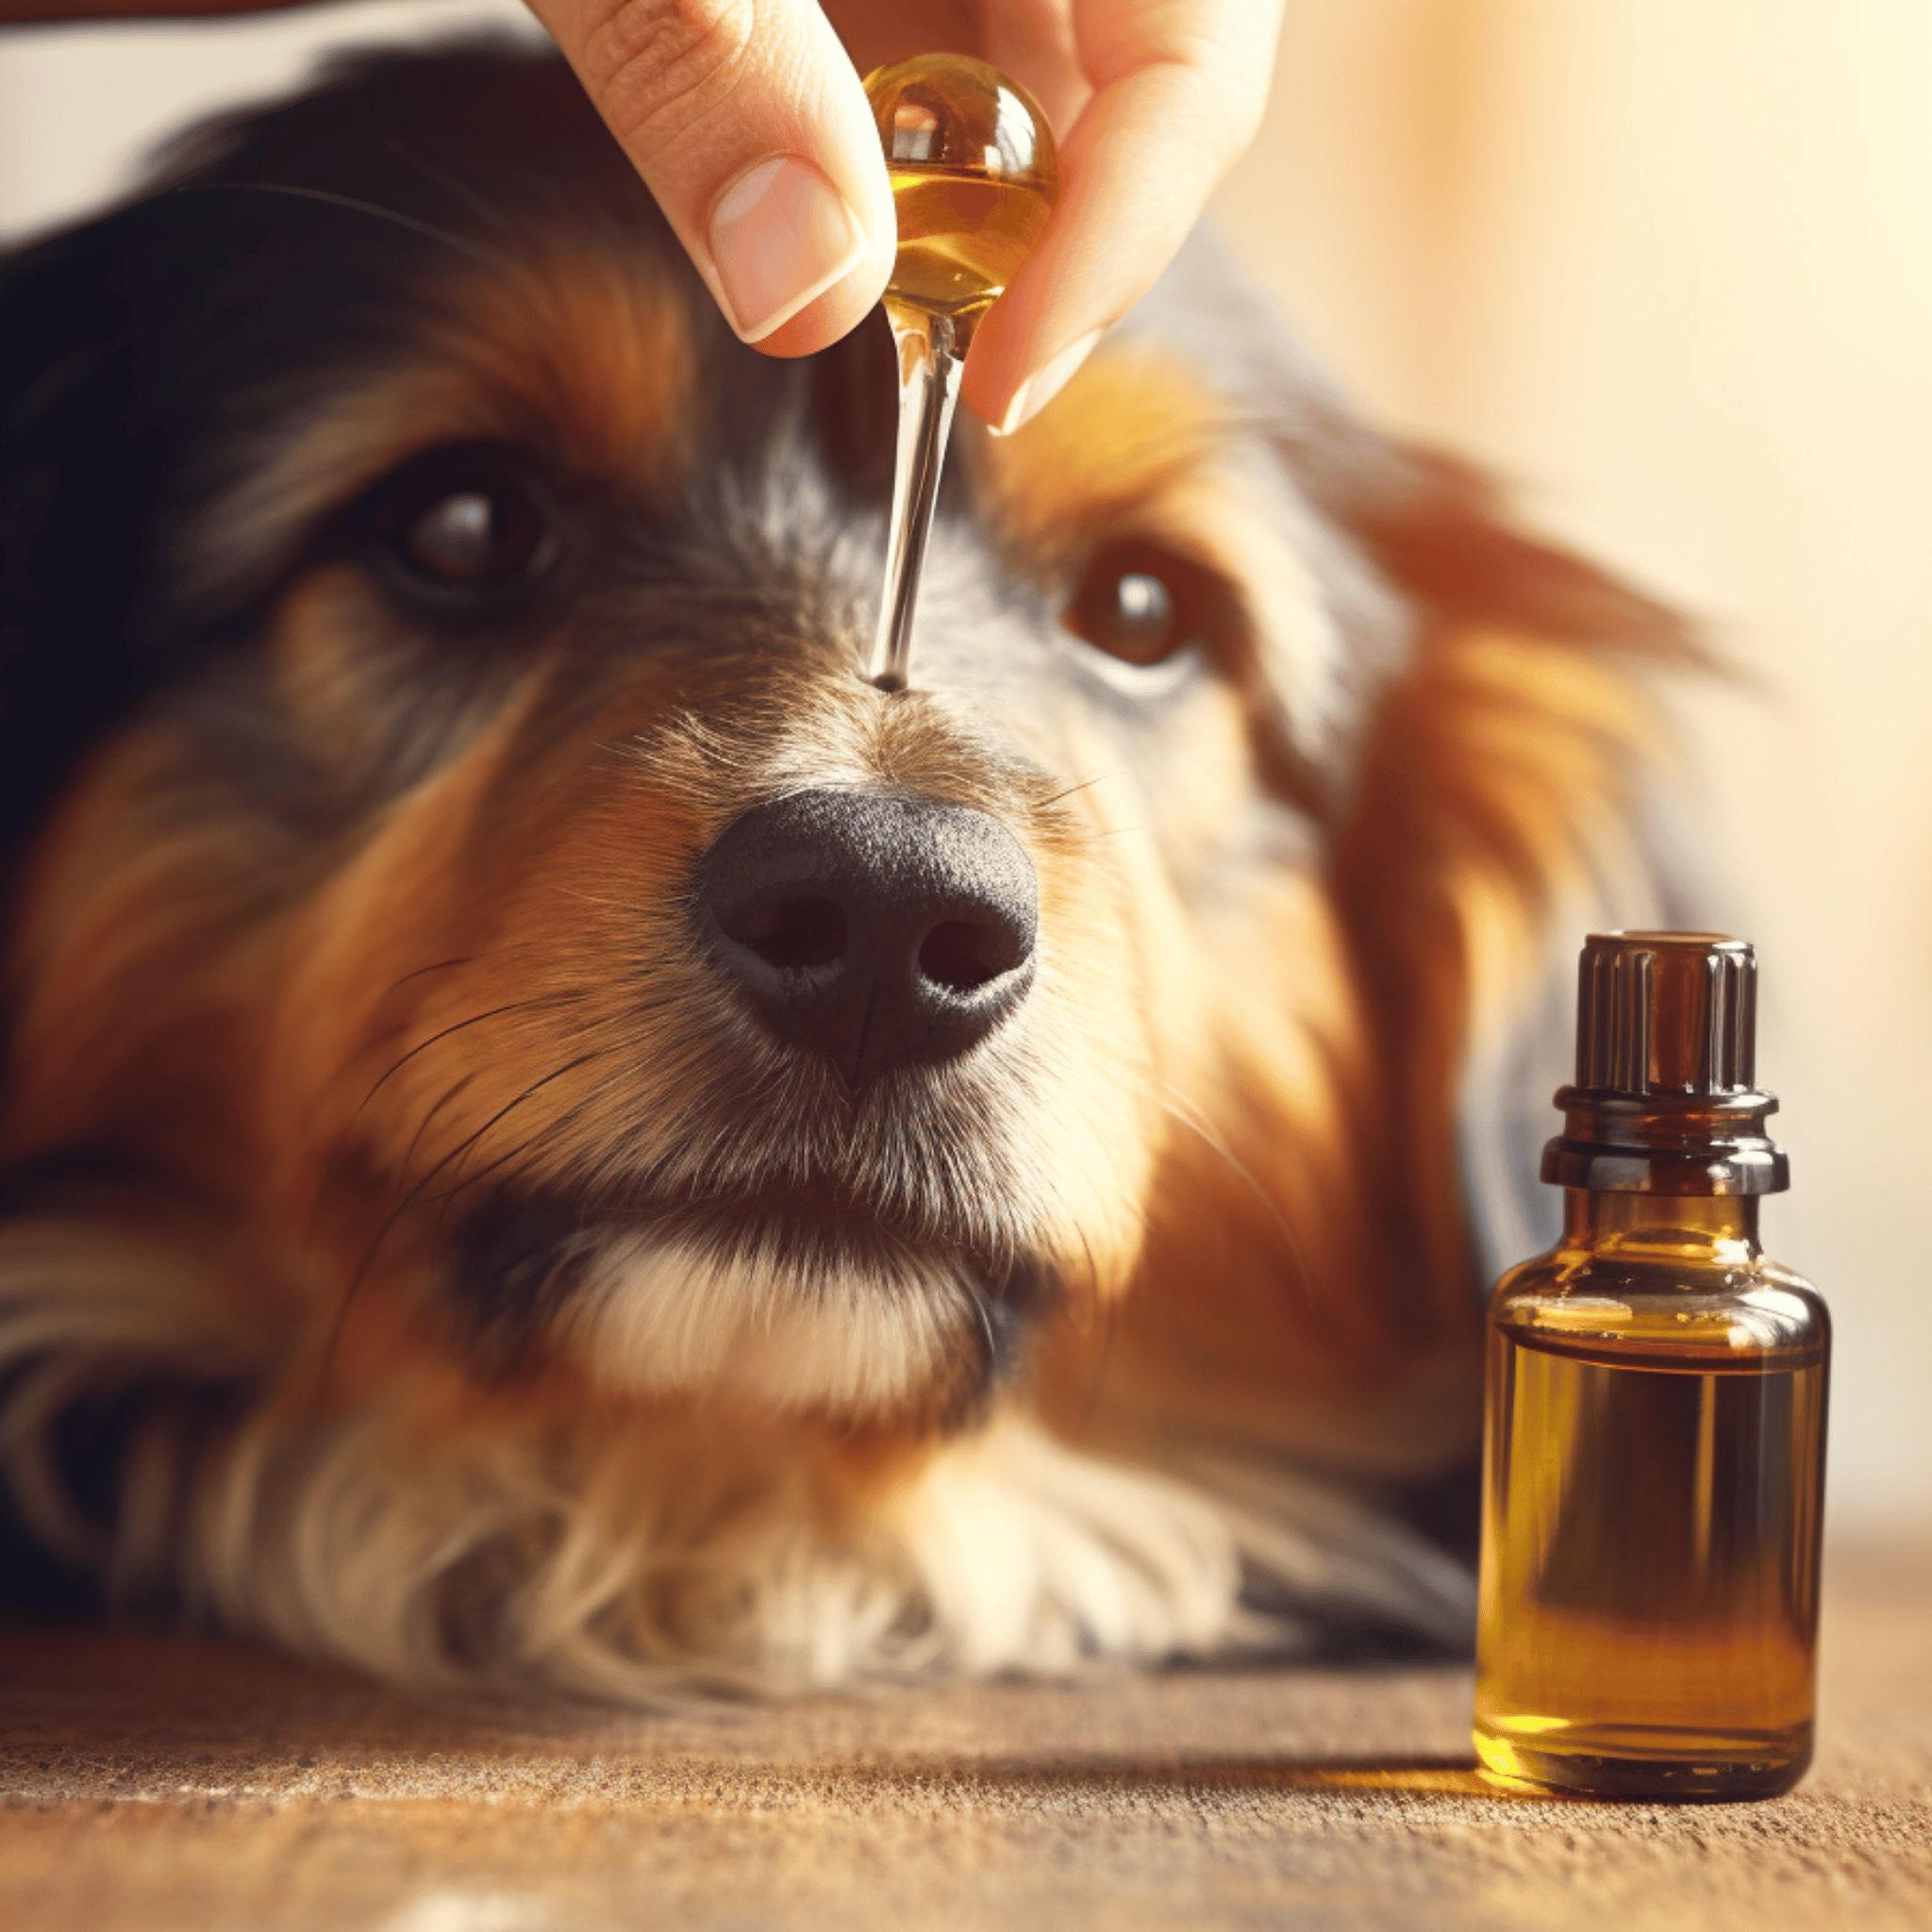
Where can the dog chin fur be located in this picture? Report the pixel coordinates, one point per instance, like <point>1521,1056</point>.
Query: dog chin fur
<point>673,1317</point>
<point>1104,1340</point>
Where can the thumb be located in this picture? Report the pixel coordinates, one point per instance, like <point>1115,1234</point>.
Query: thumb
<point>750,127</point>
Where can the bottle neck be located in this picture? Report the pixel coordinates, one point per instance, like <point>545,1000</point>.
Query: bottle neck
<point>1719,1227</point>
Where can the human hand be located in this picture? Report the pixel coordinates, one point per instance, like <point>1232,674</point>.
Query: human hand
<point>748,123</point>
<point>751,128</point>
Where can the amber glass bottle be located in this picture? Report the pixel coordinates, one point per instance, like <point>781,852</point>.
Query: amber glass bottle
<point>1654,1462</point>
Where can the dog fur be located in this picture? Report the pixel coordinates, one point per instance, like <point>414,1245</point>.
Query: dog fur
<point>414,1250</point>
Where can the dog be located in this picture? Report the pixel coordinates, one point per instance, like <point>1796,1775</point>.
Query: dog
<point>559,1141</point>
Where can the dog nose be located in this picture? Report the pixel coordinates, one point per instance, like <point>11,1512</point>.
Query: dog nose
<point>879,931</point>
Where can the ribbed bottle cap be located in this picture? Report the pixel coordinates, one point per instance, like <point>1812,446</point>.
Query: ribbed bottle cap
<point>1666,1012</point>
<point>1666,1099</point>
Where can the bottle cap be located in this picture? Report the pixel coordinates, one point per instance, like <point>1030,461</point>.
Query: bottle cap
<point>1666,1100</point>
<point>1666,1012</point>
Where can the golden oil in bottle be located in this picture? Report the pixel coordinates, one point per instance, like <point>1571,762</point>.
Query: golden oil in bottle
<point>1654,1454</point>
<point>975,178</point>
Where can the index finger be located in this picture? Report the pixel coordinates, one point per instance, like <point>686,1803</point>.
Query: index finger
<point>1179,87</point>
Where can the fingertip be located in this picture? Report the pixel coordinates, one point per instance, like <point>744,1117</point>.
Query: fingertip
<point>755,138</point>
<point>995,369</point>
<point>829,306</point>
<point>781,240</point>
<point>833,314</point>
<point>1038,390</point>
<point>1029,347</point>
<point>1178,95</point>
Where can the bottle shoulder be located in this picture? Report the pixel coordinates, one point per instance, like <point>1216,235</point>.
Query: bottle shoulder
<point>1713,1311</point>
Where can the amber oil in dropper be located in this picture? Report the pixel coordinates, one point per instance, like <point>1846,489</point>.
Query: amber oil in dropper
<point>1654,1461</point>
<point>975,176</point>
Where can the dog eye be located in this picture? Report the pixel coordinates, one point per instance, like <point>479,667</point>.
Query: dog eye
<point>474,537</point>
<point>458,525</point>
<point>1143,603</point>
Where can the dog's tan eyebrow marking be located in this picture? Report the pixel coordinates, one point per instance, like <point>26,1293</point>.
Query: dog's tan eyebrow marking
<point>581,359</point>
<point>585,353</point>
<point>1127,429</point>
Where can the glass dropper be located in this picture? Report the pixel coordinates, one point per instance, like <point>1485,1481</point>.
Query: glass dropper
<point>975,178</point>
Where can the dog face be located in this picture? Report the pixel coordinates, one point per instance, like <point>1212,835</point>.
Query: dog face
<point>479,939</point>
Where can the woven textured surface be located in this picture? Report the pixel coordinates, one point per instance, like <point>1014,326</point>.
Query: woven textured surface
<point>150,1782</point>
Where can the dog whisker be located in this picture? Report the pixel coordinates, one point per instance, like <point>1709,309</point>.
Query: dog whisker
<point>1178,1108</point>
<point>1071,791</point>
<point>453,185</point>
<point>523,1147</point>
<point>604,901</point>
<point>491,257</point>
<point>453,1091</point>
<point>338,1154</point>
<point>423,972</point>
<point>1096,1377</point>
<point>375,1248</point>
<point>529,1094</point>
<point>540,1003</point>
<point>1083,837</point>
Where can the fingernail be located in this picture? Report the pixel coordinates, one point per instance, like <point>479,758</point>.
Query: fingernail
<point>1045,384</point>
<point>781,235</point>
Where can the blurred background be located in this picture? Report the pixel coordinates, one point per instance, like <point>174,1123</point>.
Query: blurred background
<point>1666,267</point>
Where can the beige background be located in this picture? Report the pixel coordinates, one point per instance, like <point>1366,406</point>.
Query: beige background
<point>1667,266</point>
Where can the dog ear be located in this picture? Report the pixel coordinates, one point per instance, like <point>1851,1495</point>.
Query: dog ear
<point>1439,527</point>
<point>143,344</point>
<point>145,350</point>
<point>131,341</point>
<point>1503,789</point>
<point>81,461</point>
